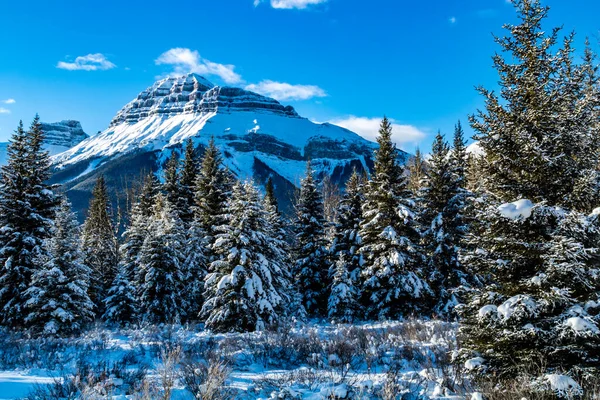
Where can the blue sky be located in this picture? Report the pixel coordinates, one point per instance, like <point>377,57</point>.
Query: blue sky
<point>347,61</point>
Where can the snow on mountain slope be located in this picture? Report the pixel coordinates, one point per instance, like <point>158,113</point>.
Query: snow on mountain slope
<point>59,137</point>
<point>175,109</point>
<point>259,137</point>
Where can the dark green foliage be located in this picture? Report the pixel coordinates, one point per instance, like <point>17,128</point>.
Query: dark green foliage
<point>27,207</point>
<point>100,245</point>
<point>311,267</point>
<point>58,303</point>
<point>443,204</point>
<point>393,279</point>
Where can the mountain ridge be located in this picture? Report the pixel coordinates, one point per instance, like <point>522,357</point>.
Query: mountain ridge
<point>258,136</point>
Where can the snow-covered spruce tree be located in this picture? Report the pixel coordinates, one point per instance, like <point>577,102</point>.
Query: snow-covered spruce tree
<point>270,198</point>
<point>343,305</point>
<point>99,244</point>
<point>416,172</point>
<point>541,299</point>
<point>189,175</point>
<point>311,267</point>
<point>43,199</point>
<point>171,186</point>
<point>162,294</point>
<point>26,212</point>
<point>147,198</point>
<point>121,303</point>
<point>58,303</point>
<point>444,228</point>
<point>194,268</point>
<point>248,288</point>
<point>346,239</point>
<point>459,157</point>
<point>394,284</point>
<point>212,190</point>
<point>538,135</point>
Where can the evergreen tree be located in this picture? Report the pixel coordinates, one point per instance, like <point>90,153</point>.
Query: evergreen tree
<point>343,305</point>
<point>100,245</point>
<point>248,288</point>
<point>162,295</point>
<point>443,226</point>
<point>121,303</point>
<point>172,186</point>
<point>536,136</point>
<point>58,302</point>
<point>150,189</point>
<point>458,156</point>
<point>536,253</point>
<point>417,168</point>
<point>189,175</point>
<point>42,197</point>
<point>346,239</point>
<point>26,212</point>
<point>393,280</point>
<point>212,189</point>
<point>194,268</point>
<point>270,198</point>
<point>311,267</point>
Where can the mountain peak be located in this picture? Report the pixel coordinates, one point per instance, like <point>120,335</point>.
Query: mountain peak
<point>194,94</point>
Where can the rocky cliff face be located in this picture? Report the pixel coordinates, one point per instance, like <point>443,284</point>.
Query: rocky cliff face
<point>259,137</point>
<point>60,136</point>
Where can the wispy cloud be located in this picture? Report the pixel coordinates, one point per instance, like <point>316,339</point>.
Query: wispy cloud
<point>9,101</point>
<point>285,91</point>
<point>4,110</point>
<point>452,20</point>
<point>368,128</point>
<point>291,4</point>
<point>91,62</point>
<point>185,61</point>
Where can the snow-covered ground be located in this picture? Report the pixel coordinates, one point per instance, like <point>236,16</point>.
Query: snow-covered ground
<point>304,361</point>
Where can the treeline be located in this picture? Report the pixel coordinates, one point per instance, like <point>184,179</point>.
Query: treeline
<point>506,240</point>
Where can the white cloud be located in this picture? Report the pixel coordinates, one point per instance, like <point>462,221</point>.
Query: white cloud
<point>285,91</point>
<point>369,127</point>
<point>91,62</point>
<point>9,101</point>
<point>291,4</point>
<point>452,20</point>
<point>4,111</point>
<point>185,61</point>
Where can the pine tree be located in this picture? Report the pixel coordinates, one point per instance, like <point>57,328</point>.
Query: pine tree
<point>100,245</point>
<point>270,198</point>
<point>535,135</point>
<point>343,305</point>
<point>416,172</point>
<point>535,253</point>
<point>121,303</point>
<point>311,267</point>
<point>26,213</point>
<point>346,239</point>
<point>391,263</point>
<point>458,156</point>
<point>172,186</point>
<point>58,303</point>
<point>150,189</point>
<point>42,198</point>
<point>189,175</point>
<point>194,268</point>
<point>443,226</point>
<point>162,296</point>
<point>212,189</point>
<point>248,288</point>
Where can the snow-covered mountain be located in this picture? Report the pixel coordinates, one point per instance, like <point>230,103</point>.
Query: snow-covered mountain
<point>259,137</point>
<point>60,136</point>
